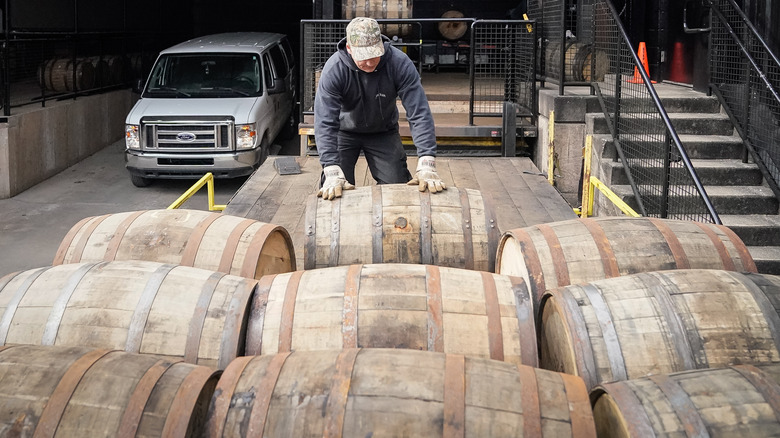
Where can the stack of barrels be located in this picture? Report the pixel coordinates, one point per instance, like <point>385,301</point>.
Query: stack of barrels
<point>67,74</point>
<point>414,315</point>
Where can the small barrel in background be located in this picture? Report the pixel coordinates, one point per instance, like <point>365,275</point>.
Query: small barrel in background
<point>739,401</point>
<point>66,74</point>
<point>184,313</point>
<point>101,69</point>
<point>419,307</point>
<point>200,239</point>
<point>396,223</point>
<point>660,322</point>
<point>384,392</point>
<point>379,9</point>
<point>558,254</point>
<point>80,392</point>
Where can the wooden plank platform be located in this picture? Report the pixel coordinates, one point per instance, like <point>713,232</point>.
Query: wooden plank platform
<point>521,196</point>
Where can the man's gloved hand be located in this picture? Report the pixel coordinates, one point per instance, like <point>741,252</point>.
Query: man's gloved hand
<point>334,183</point>
<point>426,176</point>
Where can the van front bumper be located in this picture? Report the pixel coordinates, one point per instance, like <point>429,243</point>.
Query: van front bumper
<point>187,165</point>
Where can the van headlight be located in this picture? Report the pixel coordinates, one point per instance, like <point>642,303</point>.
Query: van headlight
<point>132,138</point>
<point>246,136</point>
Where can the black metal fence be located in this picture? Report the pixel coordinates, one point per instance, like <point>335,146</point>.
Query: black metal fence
<point>499,56</point>
<point>745,75</point>
<point>66,51</point>
<point>566,42</point>
<point>663,180</point>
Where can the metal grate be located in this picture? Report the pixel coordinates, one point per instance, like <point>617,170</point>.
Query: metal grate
<point>656,164</point>
<point>319,39</point>
<point>503,67</point>
<point>746,77</point>
<point>565,43</point>
<point>188,137</point>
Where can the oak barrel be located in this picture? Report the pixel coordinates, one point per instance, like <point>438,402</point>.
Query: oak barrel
<point>384,392</point>
<point>582,62</point>
<point>80,392</point>
<point>419,307</point>
<point>739,401</point>
<point>660,322</point>
<point>185,313</point>
<point>575,251</point>
<point>213,241</point>
<point>396,223</point>
<point>57,74</point>
<point>381,9</point>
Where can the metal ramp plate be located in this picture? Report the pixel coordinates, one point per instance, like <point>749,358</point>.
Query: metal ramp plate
<point>287,166</point>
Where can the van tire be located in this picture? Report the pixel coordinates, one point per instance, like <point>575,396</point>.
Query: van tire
<point>140,181</point>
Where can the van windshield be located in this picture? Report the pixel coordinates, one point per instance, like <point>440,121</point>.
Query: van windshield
<point>206,75</point>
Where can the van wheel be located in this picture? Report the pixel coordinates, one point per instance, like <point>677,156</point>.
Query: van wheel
<point>290,128</point>
<point>140,181</point>
<point>265,150</point>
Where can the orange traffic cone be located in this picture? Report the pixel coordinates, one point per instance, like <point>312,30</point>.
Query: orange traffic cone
<point>678,70</point>
<point>642,52</point>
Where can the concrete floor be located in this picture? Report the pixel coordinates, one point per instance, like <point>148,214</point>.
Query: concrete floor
<point>33,223</point>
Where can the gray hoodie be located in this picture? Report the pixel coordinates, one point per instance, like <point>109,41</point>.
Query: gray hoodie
<point>351,100</point>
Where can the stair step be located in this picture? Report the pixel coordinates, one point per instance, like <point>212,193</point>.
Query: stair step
<point>696,103</point>
<point>697,146</point>
<point>684,123</point>
<point>767,259</point>
<point>725,199</point>
<point>710,172</point>
<point>755,230</point>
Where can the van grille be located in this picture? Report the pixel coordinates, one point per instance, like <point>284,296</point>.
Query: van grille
<point>207,136</point>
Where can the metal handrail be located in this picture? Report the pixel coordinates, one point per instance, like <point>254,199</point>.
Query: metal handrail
<point>670,130</point>
<point>205,180</point>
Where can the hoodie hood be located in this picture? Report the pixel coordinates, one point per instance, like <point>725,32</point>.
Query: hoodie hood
<point>346,58</point>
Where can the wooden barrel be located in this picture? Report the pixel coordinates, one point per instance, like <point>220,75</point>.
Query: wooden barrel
<point>739,401</point>
<point>378,9</point>
<point>582,62</point>
<point>396,223</point>
<point>660,322</point>
<point>557,254</point>
<point>141,307</point>
<point>384,392</point>
<point>212,241</point>
<point>394,306</point>
<point>80,392</point>
<point>101,69</point>
<point>453,30</point>
<point>117,68</point>
<point>57,74</point>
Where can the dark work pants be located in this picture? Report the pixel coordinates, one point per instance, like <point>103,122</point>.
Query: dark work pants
<point>384,153</point>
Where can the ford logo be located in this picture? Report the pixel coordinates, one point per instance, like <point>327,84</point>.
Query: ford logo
<point>185,136</point>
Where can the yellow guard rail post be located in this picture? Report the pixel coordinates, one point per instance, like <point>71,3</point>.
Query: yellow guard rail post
<point>207,180</point>
<point>591,182</point>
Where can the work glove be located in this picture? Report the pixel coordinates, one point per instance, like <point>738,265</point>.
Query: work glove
<point>426,176</point>
<point>334,183</point>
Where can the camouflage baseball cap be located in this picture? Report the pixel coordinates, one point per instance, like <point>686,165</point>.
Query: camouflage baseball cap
<point>365,39</point>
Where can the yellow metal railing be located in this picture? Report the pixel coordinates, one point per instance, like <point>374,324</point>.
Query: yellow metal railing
<point>589,183</point>
<point>207,180</point>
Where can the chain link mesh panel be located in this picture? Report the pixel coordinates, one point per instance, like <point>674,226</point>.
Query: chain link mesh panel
<point>648,146</point>
<point>748,83</point>
<point>503,67</point>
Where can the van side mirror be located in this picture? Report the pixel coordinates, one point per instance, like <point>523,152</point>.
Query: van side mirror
<point>277,87</point>
<point>138,86</point>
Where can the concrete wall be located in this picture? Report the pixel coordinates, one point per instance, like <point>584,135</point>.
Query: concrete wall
<point>569,138</point>
<point>40,142</point>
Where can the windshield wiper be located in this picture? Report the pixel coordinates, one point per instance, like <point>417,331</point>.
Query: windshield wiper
<point>232,90</point>
<point>173,89</point>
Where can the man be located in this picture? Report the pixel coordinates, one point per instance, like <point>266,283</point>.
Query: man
<point>355,110</point>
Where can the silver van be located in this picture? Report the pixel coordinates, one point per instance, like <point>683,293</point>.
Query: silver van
<point>212,104</point>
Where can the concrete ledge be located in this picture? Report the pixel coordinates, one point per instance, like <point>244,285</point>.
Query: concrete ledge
<point>39,142</point>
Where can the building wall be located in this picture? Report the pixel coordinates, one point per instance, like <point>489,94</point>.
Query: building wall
<point>42,141</point>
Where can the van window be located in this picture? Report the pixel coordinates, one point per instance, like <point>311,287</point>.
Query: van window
<point>268,71</point>
<point>205,75</point>
<point>288,52</point>
<point>280,64</point>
